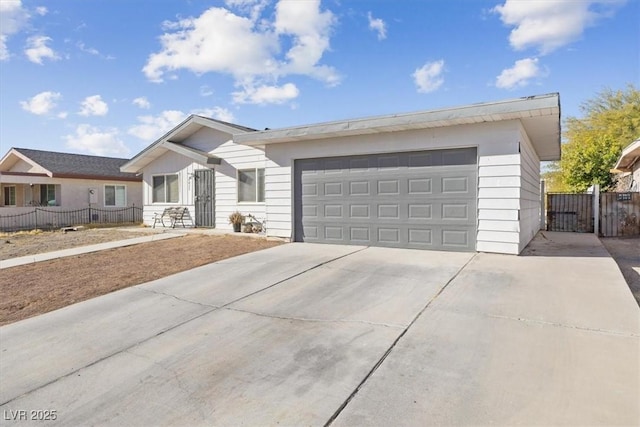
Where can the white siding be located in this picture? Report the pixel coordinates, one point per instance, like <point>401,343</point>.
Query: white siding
<point>530,191</point>
<point>234,157</point>
<point>498,202</point>
<point>498,170</point>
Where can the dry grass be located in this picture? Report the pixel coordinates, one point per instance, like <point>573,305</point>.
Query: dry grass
<point>30,290</point>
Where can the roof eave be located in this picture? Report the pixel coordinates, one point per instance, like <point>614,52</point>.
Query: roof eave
<point>15,153</point>
<point>630,155</point>
<point>178,134</point>
<point>531,109</point>
<point>195,155</point>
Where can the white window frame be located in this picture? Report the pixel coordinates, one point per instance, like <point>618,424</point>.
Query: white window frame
<point>15,195</point>
<point>255,202</point>
<point>165,175</point>
<point>115,205</point>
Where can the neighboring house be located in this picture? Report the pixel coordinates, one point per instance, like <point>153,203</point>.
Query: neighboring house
<point>462,179</point>
<point>628,168</point>
<point>31,178</point>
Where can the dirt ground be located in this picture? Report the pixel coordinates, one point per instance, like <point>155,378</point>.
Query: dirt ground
<point>19,244</point>
<point>626,252</point>
<point>30,290</point>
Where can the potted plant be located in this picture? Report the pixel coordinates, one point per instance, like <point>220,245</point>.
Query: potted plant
<point>236,218</point>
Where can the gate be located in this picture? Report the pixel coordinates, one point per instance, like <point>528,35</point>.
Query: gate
<point>619,214</point>
<point>570,212</point>
<point>205,198</point>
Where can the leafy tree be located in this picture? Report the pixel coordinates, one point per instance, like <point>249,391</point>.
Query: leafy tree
<point>593,143</point>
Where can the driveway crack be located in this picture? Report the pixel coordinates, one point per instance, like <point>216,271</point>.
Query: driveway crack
<point>394,343</point>
<point>562,325</point>
<point>178,298</point>
<point>308,319</point>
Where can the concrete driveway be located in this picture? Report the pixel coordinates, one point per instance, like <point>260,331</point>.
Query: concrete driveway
<point>307,334</point>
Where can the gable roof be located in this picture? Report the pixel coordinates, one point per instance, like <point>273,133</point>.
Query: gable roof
<point>629,157</point>
<point>67,165</point>
<point>172,141</point>
<point>539,115</point>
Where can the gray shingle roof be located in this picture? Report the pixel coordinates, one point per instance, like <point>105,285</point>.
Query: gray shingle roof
<point>80,165</point>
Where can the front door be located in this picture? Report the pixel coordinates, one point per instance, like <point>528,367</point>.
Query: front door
<point>205,198</point>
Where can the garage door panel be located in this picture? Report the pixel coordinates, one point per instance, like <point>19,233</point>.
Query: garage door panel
<point>417,200</point>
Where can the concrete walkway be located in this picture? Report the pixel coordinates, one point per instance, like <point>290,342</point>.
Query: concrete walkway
<point>30,259</point>
<point>304,334</point>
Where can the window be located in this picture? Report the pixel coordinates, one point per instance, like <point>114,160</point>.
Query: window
<point>251,186</point>
<point>47,194</point>
<point>115,195</point>
<point>9,196</point>
<point>165,189</point>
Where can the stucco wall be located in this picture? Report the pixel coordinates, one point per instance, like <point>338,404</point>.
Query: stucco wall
<point>72,193</point>
<point>234,157</point>
<point>499,171</point>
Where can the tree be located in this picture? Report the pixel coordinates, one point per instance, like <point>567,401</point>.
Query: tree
<point>593,143</point>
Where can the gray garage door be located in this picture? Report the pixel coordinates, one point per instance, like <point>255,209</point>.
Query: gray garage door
<point>421,199</point>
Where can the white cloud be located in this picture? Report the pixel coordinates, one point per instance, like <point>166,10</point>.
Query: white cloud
<point>142,102</point>
<point>266,94</point>
<point>93,106</point>
<point>216,41</point>
<point>13,17</point>
<point>153,127</point>
<point>92,51</point>
<point>100,142</point>
<point>428,78</point>
<point>252,7</point>
<point>249,48</point>
<point>550,24</point>
<point>42,10</point>
<point>310,30</point>
<point>217,113</point>
<point>520,74</point>
<point>150,128</point>
<point>205,90</point>
<point>42,103</point>
<point>37,49</point>
<point>377,25</point>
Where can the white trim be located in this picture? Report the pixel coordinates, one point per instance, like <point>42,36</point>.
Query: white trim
<point>104,196</point>
<point>165,189</point>
<point>248,202</point>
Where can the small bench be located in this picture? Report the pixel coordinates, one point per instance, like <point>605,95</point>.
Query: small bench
<point>174,215</point>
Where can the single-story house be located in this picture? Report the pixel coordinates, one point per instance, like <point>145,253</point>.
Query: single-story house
<point>462,179</point>
<point>628,168</point>
<point>31,178</point>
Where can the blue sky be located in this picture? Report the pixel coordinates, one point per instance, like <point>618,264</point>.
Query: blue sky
<point>108,77</point>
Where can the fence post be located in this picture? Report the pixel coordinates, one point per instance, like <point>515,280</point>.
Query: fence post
<point>596,209</point>
<point>543,214</point>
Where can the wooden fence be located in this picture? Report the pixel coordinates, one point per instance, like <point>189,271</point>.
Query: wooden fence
<point>618,214</point>
<point>570,212</point>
